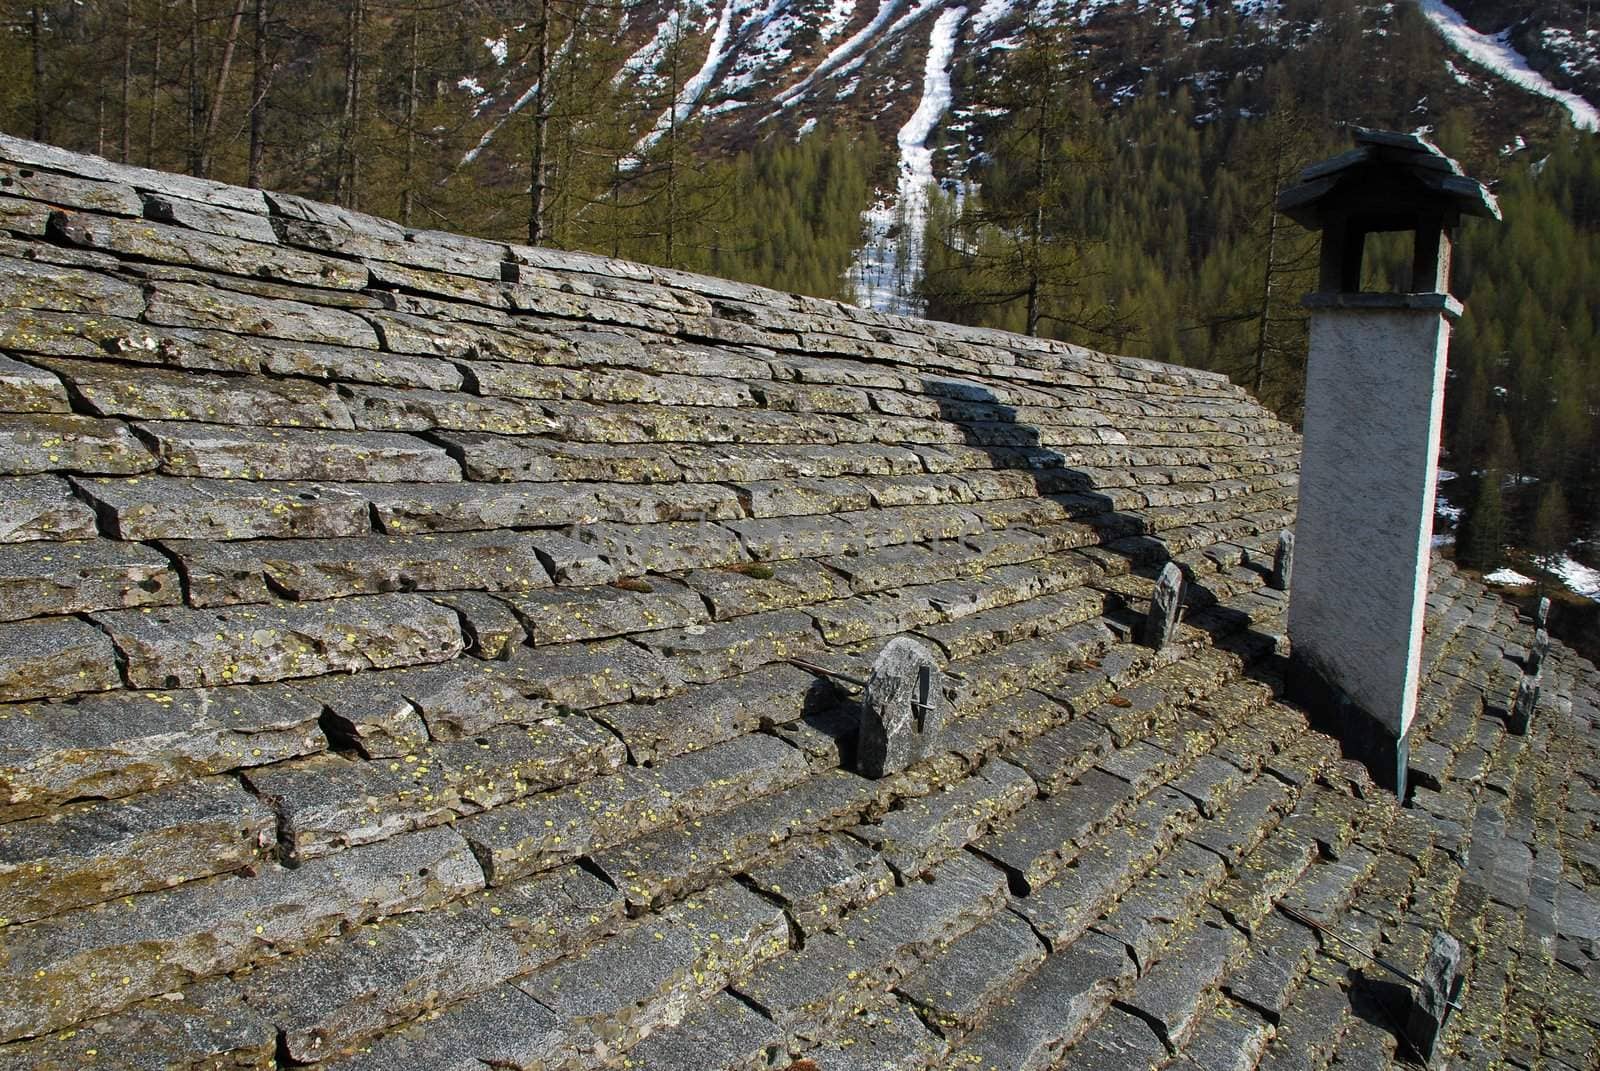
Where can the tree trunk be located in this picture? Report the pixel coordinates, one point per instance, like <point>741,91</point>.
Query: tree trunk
<point>258,95</point>
<point>408,194</point>
<point>155,88</point>
<point>541,119</point>
<point>1268,270</point>
<point>41,125</point>
<point>208,137</point>
<point>196,103</point>
<point>126,145</point>
<point>349,153</point>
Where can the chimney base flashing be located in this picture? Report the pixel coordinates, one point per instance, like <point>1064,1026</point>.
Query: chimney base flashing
<point>1362,737</point>
<point>1346,301</point>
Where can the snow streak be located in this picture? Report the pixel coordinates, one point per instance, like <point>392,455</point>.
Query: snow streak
<point>1493,52</point>
<point>838,56</point>
<point>888,268</point>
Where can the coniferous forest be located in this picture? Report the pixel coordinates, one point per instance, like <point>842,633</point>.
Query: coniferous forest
<point>1111,182</point>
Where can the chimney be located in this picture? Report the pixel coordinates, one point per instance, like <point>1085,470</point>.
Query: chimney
<point>1374,401</point>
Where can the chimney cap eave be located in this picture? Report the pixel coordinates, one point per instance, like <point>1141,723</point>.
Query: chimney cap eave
<point>1405,164</point>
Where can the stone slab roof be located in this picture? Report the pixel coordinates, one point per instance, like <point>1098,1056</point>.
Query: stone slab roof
<point>394,674</point>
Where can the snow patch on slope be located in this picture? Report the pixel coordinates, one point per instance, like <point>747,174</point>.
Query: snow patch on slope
<point>1493,52</point>
<point>889,266</point>
<point>689,95</point>
<point>839,55</point>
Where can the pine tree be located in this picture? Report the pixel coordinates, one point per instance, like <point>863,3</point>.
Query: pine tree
<point>1482,533</point>
<point>1552,526</point>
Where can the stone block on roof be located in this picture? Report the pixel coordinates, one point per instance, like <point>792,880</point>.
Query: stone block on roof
<point>491,630</point>
<point>59,578</point>
<point>1033,845</point>
<point>54,656</point>
<point>237,254</point>
<point>705,653</point>
<point>102,959</point>
<point>202,1026</point>
<point>174,647</point>
<point>700,717</point>
<point>234,452</point>
<point>565,615</point>
<point>759,588</point>
<point>376,408</point>
<point>91,852</point>
<point>259,571</point>
<point>31,284</point>
<point>925,831</point>
<point>651,975</point>
<point>57,442</point>
<point>724,1035</point>
<point>538,832</point>
<point>27,389</point>
<point>1030,1029</point>
<point>663,548</point>
<point>186,305</point>
<point>957,987</point>
<point>43,507</point>
<point>327,803</point>
<point>502,1026</point>
<point>118,744</point>
<point>822,877</point>
<point>157,507</point>
<point>664,864</point>
<point>505,458</point>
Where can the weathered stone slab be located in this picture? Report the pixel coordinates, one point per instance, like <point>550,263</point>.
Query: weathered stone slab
<point>391,409</point>
<point>726,1034</point>
<point>505,458</point>
<point>752,461</point>
<point>1032,1027</point>
<point>823,877</point>
<point>70,191</point>
<point>538,832</point>
<point>310,569</point>
<point>157,507</point>
<point>405,509</point>
<point>115,745</point>
<point>1035,843</point>
<point>54,656</point>
<point>201,1026</point>
<point>186,305</point>
<point>328,803</point>
<point>925,831</point>
<point>43,507</point>
<point>1063,908</point>
<point>93,852</point>
<point>581,676</point>
<point>247,226</point>
<point>32,284</point>
<point>57,442</point>
<point>234,452</point>
<point>653,974</point>
<point>635,549</point>
<point>1145,919</point>
<point>234,254</point>
<point>705,653</point>
<point>65,578</point>
<point>492,631</point>
<point>700,717</point>
<point>958,985</point>
<point>763,587</point>
<point>564,615</point>
<point>571,561</point>
<point>101,959</point>
<point>662,865</point>
<point>794,537</point>
<point>1056,757</point>
<point>26,389</point>
<point>346,990</point>
<point>177,648</point>
<point>1171,995</point>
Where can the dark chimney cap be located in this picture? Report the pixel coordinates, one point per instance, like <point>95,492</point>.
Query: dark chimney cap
<point>1390,180</point>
